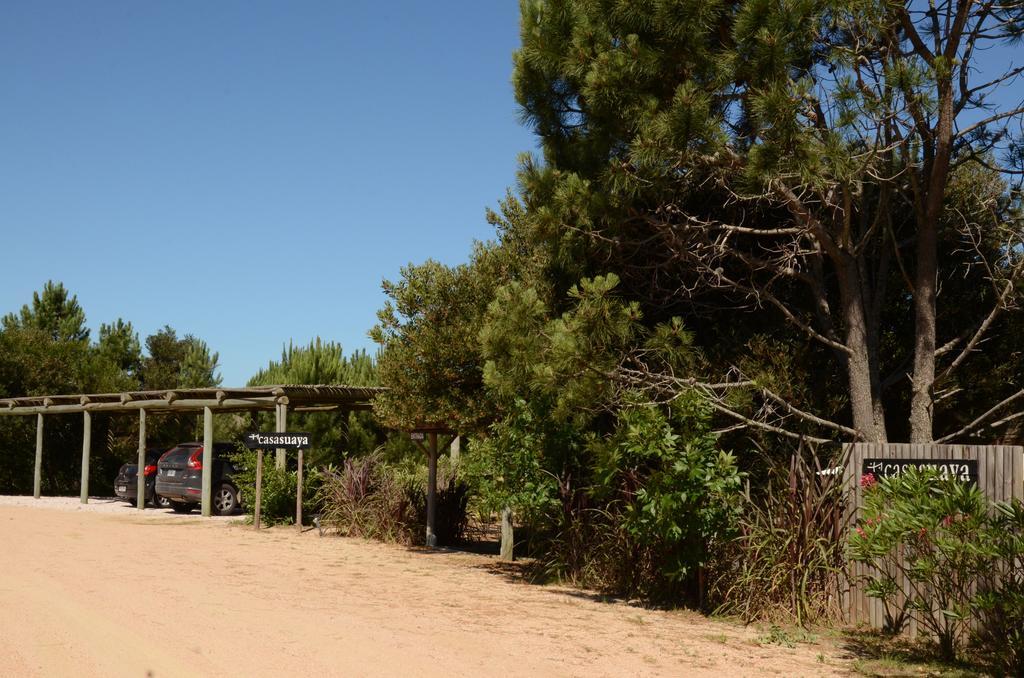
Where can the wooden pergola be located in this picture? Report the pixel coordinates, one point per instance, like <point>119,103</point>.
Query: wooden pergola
<point>280,399</point>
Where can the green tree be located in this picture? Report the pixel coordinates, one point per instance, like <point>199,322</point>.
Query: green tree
<point>336,435</point>
<point>120,353</point>
<point>199,366</point>
<point>53,312</point>
<point>428,330</point>
<point>793,163</point>
<point>161,368</point>
<point>45,350</point>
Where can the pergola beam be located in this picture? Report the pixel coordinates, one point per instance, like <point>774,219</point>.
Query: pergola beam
<point>180,405</point>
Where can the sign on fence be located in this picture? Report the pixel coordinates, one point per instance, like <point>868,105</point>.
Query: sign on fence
<point>965,470</point>
<point>280,441</point>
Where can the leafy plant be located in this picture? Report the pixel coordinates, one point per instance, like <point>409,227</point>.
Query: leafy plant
<point>784,565</point>
<point>277,505</point>
<point>364,499</point>
<point>369,498</point>
<point>928,542</point>
<point>1000,635</point>
<point>660,499</point>
<point>674,495</point>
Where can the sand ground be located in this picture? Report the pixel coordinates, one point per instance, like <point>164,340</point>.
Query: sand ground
<point>106,590</point>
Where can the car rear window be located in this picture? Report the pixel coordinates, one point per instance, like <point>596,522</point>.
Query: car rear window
<point>179,454</point>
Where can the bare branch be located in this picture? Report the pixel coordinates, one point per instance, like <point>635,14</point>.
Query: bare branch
<point>980,419</point>
<point>992,118</point>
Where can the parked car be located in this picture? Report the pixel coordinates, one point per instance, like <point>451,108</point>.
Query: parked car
<point>180,478</point>
<point>125,484</point>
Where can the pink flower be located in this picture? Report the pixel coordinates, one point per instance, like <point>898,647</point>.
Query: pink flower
<point>868,480</point>
<point>860,531</point>
<point>947,521</point>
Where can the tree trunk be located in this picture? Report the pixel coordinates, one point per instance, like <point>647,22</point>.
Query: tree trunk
<point>923,378</point>
<point>923,381</point>
<point>865,397</point>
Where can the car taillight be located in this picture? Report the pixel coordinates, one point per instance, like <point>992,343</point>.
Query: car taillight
<point>149,470</point>
<point>196,460</point>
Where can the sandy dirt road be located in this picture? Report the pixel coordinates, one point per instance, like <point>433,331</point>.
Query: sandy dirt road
<point>112,592</point>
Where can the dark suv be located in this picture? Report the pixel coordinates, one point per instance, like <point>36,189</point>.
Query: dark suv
<point>180,478</point>
<point>125,487</point>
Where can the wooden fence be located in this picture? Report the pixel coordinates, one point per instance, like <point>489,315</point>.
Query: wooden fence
<point>1000,476</point>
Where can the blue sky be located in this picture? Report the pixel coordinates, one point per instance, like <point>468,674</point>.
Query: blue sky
<point>248,172</point>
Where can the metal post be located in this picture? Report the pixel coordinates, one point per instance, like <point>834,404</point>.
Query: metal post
<point>207,462</point>
<point>280,426</point>
<point>86,448</point>
<point>259,488</point>
<point>37,481</point>
<point>432,491</point>
<point>298,495</point>
<point>140,501</point>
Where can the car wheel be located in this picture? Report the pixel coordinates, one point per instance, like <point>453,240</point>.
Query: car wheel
<point>161,502</point>
<point>179,507</point>
<point>225,500</point>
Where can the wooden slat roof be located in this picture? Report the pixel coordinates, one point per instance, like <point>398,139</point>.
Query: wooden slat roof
<point>185,399</point>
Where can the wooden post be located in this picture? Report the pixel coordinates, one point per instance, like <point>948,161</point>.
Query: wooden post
<point>454,450</point>
<point>432,491</point>
<point>37,479</point>
<point>86,449</point>
<point>281,425</point>
<point>507,552</point>
<point>207,501</point>
<point>298,494</point>
<point>141,498</point>
<point>259,488</point>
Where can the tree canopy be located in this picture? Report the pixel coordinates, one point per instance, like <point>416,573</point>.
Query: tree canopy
<point>749,223</point>
<point>46,349</point>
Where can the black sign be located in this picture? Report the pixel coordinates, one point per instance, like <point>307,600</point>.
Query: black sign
<point>965,470</point>
<point>271,441</point>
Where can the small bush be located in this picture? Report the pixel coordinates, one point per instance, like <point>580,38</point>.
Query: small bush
<point>1000,635</point>
<point>658,500</point>
<point>277,490</point>
<point>451,518</point>
<point>786,562</point>
<point>364,499</point>
<point>370,498</point>
<point>943,556</point>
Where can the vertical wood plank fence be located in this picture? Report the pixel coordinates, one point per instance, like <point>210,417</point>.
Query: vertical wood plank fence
<point>1000,478</point>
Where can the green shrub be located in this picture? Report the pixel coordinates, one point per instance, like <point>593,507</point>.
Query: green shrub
<point>277,489</point>
<point>786,561</point>
<point>451,517</point>
<point>364,499</point>
<point>959,556</point>
<point>1000,635</point>
<point>369,498</point>
<point>659,499</point>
